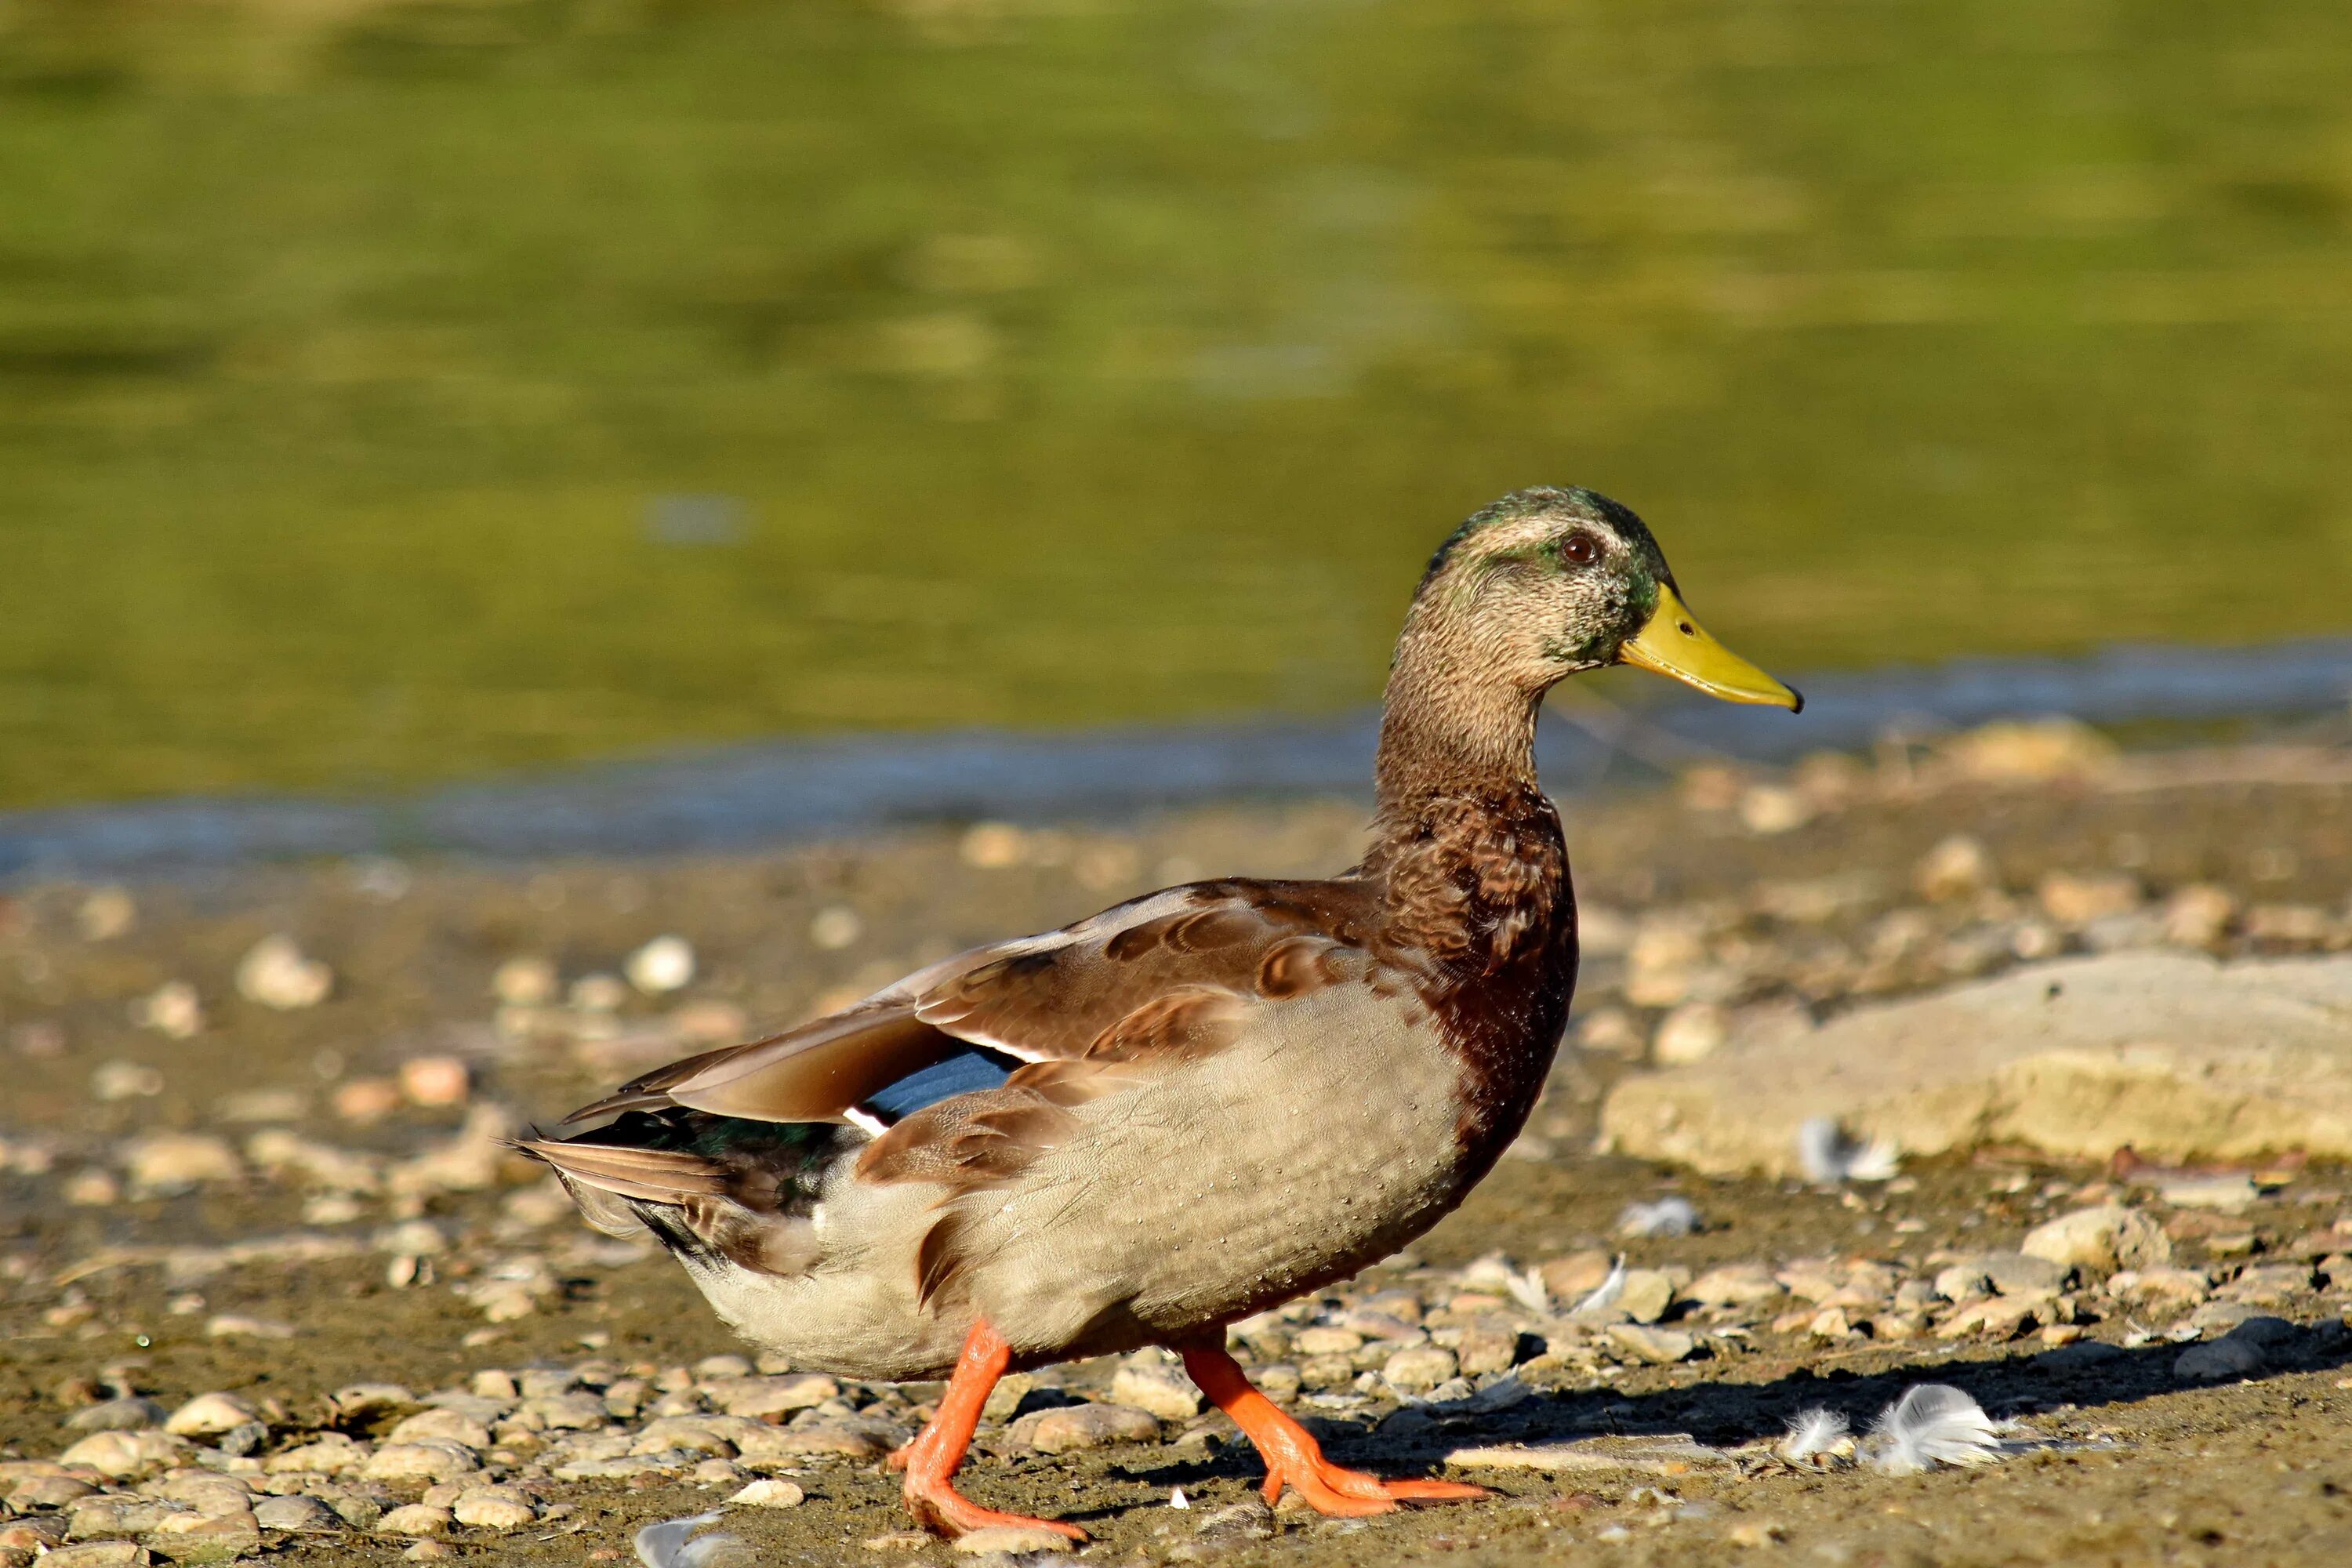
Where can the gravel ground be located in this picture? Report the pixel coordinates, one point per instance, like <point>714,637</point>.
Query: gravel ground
<point>270,1288</point>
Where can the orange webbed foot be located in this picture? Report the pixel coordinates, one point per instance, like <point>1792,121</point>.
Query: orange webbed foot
<point>941,1509</point>
<point>1293,1458</point>
<point>930,1460</point>
<point>1342,1493</point>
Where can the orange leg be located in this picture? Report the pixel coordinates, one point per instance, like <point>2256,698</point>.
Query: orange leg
<point>1292,1455</point>
<point>932,1458</point>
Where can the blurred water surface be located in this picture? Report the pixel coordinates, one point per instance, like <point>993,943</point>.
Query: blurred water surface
<point>398,391</point>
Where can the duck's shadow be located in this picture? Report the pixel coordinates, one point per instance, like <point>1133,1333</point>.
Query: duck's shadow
<point>1726,1414</point>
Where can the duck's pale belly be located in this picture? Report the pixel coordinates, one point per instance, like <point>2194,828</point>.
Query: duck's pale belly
<point>1322,1140</point>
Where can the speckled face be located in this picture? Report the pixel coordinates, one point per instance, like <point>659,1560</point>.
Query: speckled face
<point>1548,581</point>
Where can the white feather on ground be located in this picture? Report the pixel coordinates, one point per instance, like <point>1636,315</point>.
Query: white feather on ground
<point>1812,1434</point>
<point>1667,1217</point>
<point>1604,1296</point>
<point>1933,1423</point>
<point>1524,1286</point>
<point>1830,1153</point>
<point>666,1544</point>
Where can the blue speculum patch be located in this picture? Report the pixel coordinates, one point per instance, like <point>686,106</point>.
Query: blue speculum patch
<point>971,1069</point>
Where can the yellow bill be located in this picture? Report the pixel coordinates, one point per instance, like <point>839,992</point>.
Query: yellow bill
<point>1674,644</point>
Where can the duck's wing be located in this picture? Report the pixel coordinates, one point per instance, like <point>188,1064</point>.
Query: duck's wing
<point>1162,978</point>
<point>964,1073</point>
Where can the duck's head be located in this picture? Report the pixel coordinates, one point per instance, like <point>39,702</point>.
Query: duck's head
<point>1546,582</point>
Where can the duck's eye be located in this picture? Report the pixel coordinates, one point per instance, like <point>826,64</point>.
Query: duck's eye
<point>1580,550</point>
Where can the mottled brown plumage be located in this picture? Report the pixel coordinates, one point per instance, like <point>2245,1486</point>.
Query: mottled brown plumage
<point>1148,1124</point>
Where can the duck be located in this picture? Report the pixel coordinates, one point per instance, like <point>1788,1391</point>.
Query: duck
<point>1143,1127</point>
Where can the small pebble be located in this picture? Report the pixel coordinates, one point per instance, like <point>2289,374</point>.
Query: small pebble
<point>662,965</point>
<point>437,1081</point>
<point>524,982</point>
<point>276,973</point>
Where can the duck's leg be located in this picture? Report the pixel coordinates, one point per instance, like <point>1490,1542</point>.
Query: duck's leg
<point>930,1460</point>
<point>1292,1455</point>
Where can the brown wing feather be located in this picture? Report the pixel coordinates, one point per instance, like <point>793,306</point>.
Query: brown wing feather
<point>656,1176</point>
<point>809,1074</point>
<point>1161,979</point>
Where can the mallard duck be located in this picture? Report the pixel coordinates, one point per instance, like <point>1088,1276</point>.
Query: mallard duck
<point>1193,1106</point>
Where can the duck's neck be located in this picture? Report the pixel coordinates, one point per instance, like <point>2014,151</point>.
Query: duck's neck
<point>1472,872</point>
<point>1450,731</point>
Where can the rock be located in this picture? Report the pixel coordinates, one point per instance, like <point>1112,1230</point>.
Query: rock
<point>415,1519</point>
<point>1690,1033</point>
<point>769,1494</point>
<point>208,1414</point>
<point>436,1080</point>
<point>2199,915</point>
<point>166,1163</point>
<point>446,1426</point>
<point>92,1189</point>
<point>662,965</point>
<point>173,1009</point>
<point>98,1554</point>
<point>690,1434</point>
<point>365,1099</point>
<point>1963,1281</point>
<point>207,1538</point>
<point>236,1325</point>
<point>493,1508</point>
<point>207,1493</point>
<point>1013,1539</point>
<point>2025,1274</point>
<point>1321,1338</point>
<point>1646,1295</point>
<point>1079,1427</point>
<point>2270,1284</point>
<point>110,1516</point>
<point>2178,1286</point>
<point>2003,1317</point>
<point>2229,1356</point>
<point>430,1552</point>
<point>1419,1368</point>
<point>1279,1381</point>
<point>2029,751</point>
<point>419,1462</point>
<point>1575,1277</point>
<point>1661,1346</point>
<point>275,973</point>
<point>524,981</point>
<point>1149,1382</point>
<point>835,927</point>
<point>818,1438</point>
<point>1958,868</point>
<point>369,1401</point>
<point>128,1414</point>
<point>1669,1454</point>
<point>329,1453</point>
<point>1734,1285</point>
<point>48,1491</point>
<point>295,1512</point>
<point>2177,1055</point>
<point>1483,1350</point>
<point>585,1412</point>
<point>2101,1240</point>
<point>106,913</point>
<point>2077,901</point>
<point>2223,1194</point>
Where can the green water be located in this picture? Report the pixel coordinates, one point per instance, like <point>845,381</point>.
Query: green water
<point>1062,361</point>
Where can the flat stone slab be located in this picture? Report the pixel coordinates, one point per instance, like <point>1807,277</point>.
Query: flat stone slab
<point>2176,1054</point>
<point>1665,1454</point>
